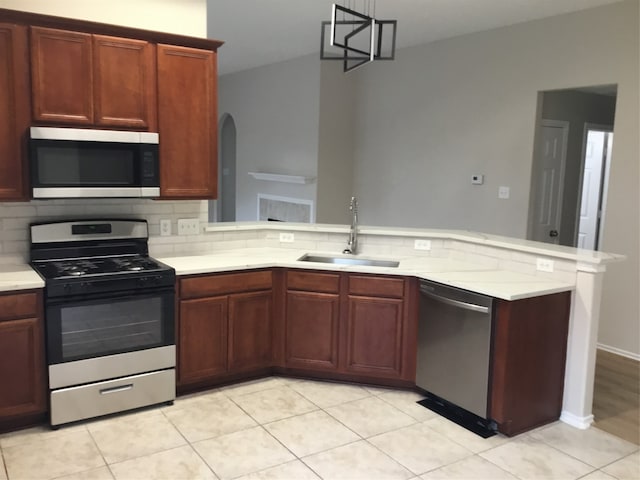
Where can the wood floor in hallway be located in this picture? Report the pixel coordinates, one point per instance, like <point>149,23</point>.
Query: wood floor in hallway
<point>616,396</point>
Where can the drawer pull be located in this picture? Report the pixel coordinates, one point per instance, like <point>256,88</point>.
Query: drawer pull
<point>121,388</point>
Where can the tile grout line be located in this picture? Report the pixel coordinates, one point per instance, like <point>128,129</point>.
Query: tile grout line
<point>4,463</point>
<point>575,458</point>
<point>190,445</point>
<point>100,451</point>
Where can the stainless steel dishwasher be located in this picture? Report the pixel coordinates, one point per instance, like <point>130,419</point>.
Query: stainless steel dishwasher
<point>454,353</point>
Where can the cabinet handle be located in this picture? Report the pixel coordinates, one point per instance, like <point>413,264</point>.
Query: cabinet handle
<point>455,303</point>
<point>120,388</point>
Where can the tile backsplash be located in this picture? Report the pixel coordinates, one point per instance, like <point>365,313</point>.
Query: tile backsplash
<point>16,217</point>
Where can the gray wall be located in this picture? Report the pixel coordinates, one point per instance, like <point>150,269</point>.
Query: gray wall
<point>577,108</point>
<point>335,144</point>
<point>446,110</point>
<point>276,110</point>
<point>441,112</point>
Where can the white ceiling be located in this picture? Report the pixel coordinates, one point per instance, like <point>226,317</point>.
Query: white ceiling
<point>259,32</point>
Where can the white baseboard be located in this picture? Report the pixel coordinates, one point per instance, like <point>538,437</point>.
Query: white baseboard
<point>619,351</point>
<point>575,421</point>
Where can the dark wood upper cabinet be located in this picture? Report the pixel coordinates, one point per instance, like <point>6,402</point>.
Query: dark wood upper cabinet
<point>15,115</point>
<point>62,76</point>
<point>187,120</point>
<point>92,80</point>
<point>124,83</point>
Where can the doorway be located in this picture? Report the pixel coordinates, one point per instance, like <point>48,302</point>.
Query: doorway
<point>226,205</point>
<point>597,145</point>
<point>555,202</point>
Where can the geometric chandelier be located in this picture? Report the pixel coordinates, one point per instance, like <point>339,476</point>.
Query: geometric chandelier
<point>357,38</point>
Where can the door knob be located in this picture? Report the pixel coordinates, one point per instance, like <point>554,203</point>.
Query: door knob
<point>553,233</point>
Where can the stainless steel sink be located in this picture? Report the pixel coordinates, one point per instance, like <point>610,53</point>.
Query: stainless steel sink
<point>338,260</point>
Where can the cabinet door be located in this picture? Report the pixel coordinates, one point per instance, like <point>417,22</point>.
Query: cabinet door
<point>22,368</point>
<point>312,322</point>
<point>529,355</point>
<point>250,331</point>
<point>202,348</point>
<point>187,122</point>
<point>14,111</point>
<point>374,336</point>
<point>125,83</point>
<point>62,76</point>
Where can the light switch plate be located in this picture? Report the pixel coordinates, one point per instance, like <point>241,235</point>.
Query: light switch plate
<point>286,237</point>
<point>477,179</point>
<point>188,226</point>
<point>165,227</point>
<point>544,265</point>
<point>504,192</point>
<point>420,244</point>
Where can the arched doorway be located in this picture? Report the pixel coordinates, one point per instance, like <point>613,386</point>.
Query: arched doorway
<point>226,205</point>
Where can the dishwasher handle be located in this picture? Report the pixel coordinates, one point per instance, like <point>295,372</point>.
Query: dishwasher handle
<point>454,303</point>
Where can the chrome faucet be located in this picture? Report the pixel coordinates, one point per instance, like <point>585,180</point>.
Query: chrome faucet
<point>352,244</point>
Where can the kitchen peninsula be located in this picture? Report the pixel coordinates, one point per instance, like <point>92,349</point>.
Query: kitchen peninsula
<point>501,267</point>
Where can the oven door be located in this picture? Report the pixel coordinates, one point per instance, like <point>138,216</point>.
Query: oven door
<point>99,325</point>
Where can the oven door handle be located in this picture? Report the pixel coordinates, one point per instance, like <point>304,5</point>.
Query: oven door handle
<point>119,388</point>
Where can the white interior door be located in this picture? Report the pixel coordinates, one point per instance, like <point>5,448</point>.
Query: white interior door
<point>549,174</point>
<point>595,158</point>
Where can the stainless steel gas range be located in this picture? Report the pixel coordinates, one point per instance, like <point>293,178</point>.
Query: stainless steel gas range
<point>109,317</point>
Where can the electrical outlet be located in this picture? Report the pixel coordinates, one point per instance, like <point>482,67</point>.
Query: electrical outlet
<point>165,227</point>
<point>504,192</point>
<point>544,265</point>
<point>188,226</point>
<point>422,245</point>
<point>477,179</point>
<point>286,237</point>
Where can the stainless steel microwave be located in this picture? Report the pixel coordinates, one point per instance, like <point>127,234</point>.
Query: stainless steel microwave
<point>83,163</point>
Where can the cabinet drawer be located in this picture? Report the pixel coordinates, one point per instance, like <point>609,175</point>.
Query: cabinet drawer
<point>87,401</point>
<point>376,286</point>
<point>20,305</point>
<point>213,285</point>
<point>313,282</point>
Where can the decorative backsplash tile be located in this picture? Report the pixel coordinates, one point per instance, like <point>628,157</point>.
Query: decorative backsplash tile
<point>16,217</point>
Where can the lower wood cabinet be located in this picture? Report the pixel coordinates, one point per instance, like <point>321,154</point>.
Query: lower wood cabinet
<point>312,320</point>
<point>342,326</point>
<point>529,355</point>
<point>23,384</point>
<point>225,325</point>
<point>352,325</point>
<point>250,331</point>
<point>203,332</point>
<point>374,343</point>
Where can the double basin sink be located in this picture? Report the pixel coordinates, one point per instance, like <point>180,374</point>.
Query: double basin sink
<point>340,260</point>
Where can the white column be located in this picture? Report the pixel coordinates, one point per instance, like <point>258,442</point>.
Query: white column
<point>581,347</point>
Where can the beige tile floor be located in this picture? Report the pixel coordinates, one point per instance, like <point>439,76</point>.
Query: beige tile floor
<point>280,428</point>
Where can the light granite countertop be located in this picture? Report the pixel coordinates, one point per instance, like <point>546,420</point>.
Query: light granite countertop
<point>497,283</point>
<point>18,276</point>
<point>503,284</point>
